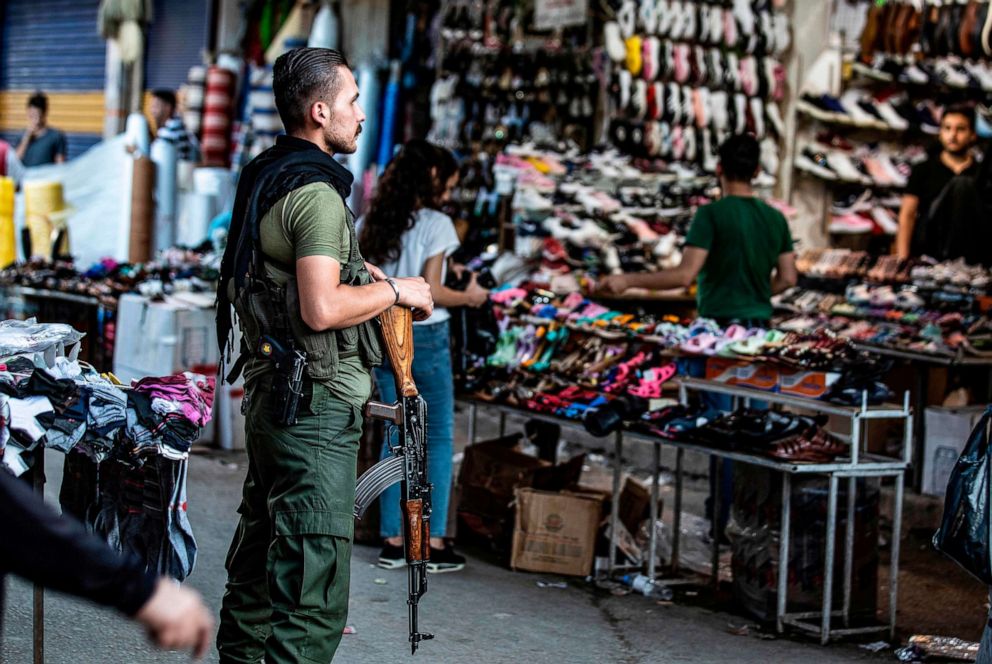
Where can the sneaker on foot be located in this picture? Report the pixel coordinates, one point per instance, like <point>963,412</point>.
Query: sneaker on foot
<point>392,557</point>
<point>445,560</point>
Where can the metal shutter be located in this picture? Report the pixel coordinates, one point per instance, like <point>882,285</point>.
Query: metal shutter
<point>177,36</point>
<point>51,45</point>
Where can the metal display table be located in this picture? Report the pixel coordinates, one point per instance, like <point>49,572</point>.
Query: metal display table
<point>859,464</point>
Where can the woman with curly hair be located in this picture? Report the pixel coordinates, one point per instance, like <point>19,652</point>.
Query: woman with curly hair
<point>406,234</point>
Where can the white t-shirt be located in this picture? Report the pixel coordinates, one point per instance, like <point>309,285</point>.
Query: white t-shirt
<point>433,233</point>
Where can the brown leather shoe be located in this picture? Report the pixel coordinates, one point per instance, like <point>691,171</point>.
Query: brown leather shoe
<point>869,35</point>
<point>966,30</point>
<point>911,31</point>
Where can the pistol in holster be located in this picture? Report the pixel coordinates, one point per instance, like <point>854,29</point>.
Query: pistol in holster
<point>287,382</point>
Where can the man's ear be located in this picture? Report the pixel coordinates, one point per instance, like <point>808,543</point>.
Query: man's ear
<point>320,113</point>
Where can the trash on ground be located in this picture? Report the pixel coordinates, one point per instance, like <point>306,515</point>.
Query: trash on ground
<point>944,646</point>
<point>381,582</point>
<point>552,584</point>
<point>349,630</point>
<point>875,646</point>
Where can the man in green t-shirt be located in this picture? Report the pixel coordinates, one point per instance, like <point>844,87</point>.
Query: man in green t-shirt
<point>741,250</point>
<point>739,247</point>
<point>296,278</point>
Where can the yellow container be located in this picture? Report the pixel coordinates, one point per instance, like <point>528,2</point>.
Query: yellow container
<point>8,240</point>
<point>45,214</point>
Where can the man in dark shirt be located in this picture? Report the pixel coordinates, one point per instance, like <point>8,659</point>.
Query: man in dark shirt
<point>40,144</point>
<point>58,553</point>
<point>919,234</point>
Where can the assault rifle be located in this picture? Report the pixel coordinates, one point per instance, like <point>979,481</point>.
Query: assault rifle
<point>408,462</point>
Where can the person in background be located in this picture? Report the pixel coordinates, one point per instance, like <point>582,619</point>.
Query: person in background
<point>58,553</point>
<point>168,126</point>
<point>741,250</point>
<point>406,234</point>
<point>41,144</point>
<point>10,165</point>
<point>919,233</point>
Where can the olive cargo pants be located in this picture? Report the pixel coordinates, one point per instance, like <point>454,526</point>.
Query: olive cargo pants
<point>289,563</point>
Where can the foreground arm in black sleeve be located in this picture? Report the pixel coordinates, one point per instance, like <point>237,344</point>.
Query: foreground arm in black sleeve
<point>58,553</point>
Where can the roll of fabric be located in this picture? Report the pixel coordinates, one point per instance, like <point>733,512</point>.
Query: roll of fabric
<point>8,239</point>
<point>292,34</point>
<point>142,211</point>
<point>324,33</point>
<point>165,156</point>
<point>368,92</point>
<point>193,94</point>
<point>216,141</point>
<point>138,134</point>
<point>46,214</point>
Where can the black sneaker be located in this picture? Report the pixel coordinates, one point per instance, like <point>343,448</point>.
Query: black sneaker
<point>445,560</point>
<point>392,557</point>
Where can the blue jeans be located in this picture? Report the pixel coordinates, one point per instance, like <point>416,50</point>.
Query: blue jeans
<point>433,376</point>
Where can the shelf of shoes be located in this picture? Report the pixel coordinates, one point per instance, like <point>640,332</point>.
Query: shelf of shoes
<point>835,160</point>
<point>687,74</point>
<point>551,342</point>
<point>938,310</point>
<point>173,271</point>
<point>497,82</point>
<point>865,212</point>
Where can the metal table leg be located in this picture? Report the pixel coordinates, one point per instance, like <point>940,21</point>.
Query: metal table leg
<point>653,545</point>
<point>852,488</point>
<point>783,552</point>
<point>715,522</point>
<point>502,424</point>
<point>677,517</point>
<point>919,428</point>
<point>473,411</point>
<point>38,600</point>
<point>828,565</point>
<point>615,502</point>
<point>894,564</point>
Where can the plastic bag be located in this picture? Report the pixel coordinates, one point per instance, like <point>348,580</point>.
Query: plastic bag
<point>964,534</point>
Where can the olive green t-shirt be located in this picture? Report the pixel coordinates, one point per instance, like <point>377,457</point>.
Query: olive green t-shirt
<point>744,237</point>
<point>312,221</point>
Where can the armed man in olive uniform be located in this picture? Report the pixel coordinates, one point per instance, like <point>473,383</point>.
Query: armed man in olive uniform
<point>305,301</point>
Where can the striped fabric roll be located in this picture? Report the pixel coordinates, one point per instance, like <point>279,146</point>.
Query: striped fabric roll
<point>216,140</point>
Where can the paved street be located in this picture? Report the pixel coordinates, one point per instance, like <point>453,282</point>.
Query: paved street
<point>485,614</point>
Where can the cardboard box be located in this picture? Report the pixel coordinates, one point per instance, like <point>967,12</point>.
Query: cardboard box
<point>756,375</point>
<point>556,532</point>
<point>810,384</point>
<point>947,432</point>
<point>491,471</point>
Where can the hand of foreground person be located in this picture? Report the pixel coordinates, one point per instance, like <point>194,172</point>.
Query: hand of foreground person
<point>177,619</point>
<point>476,294</point>
<point>612,284</point>
<point>415,293</point>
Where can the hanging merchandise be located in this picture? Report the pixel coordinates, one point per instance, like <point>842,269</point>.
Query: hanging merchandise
<point>358,162</point>
<point>498,82</point>
<point>389,104</point>
<point>688,74</point>
<point>137,134</point>
<point>218,104</point>
<point>165,156</point>
<point>45,216</point>
<point>324,33</point>
<point>292,34</point>
<point>8,240</point>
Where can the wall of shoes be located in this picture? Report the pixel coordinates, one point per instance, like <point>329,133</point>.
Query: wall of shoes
<point>499,81</point>
<point>908,62</point>
<point>685,74</point>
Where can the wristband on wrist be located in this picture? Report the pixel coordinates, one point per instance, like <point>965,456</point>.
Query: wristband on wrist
<point>396,289</point>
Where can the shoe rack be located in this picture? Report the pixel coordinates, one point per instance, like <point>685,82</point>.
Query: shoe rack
<point>858,464</point>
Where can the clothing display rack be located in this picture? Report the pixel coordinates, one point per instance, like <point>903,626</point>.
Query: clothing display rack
<point>860,464</point>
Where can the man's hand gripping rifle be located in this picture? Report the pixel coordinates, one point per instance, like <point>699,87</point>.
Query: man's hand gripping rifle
<point>408,462</point>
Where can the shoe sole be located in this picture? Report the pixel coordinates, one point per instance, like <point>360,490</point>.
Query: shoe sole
<point>443,569</point>
<point>391,564</point>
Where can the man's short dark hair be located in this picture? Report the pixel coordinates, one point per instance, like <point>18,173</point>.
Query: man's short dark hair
<point>302,76</point>
<point>38,100</point>
<point>165,96</point>
<point>739,156</point>
<point>965,110</point>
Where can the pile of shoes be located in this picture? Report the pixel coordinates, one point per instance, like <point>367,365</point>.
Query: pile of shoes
<point>865,212</point>
<point>886,110</point>
<point>834,159</point>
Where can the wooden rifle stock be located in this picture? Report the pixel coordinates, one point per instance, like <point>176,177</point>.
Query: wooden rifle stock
<point>397,333</point>
<point>417,531</point>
